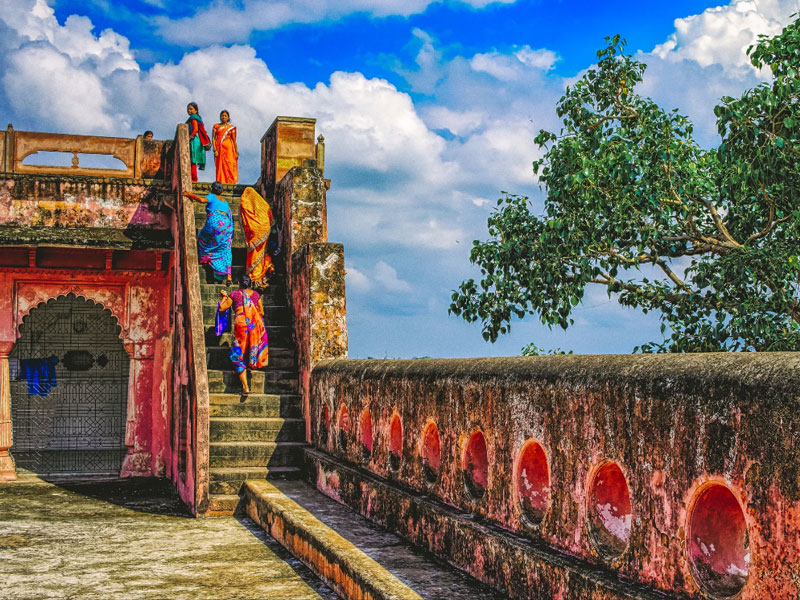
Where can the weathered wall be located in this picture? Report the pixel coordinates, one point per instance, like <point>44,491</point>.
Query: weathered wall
<point>106,240</point>
<point>137,158</point>
<point>320,315</point>
<point>674,425</point>
<point>134,299</point>
<point>316,274</point>
<point>83,211</point>
<point>190,406</point>
<point>288,143</point>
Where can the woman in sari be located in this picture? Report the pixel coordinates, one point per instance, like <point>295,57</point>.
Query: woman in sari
<point>215,238</point>
<point>226,152</point>
<point>250,346</point>
<point>198,139</point>
<point>257,223</point>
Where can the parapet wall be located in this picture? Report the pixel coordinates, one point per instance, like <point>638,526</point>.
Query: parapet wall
<point>79,210</point>
<point>676,473</point>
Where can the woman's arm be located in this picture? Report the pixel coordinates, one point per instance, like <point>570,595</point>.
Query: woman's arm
<point>260,306</point>
<point>195,197</point>
<point>194,128</point>
<point>235,147</point>
<point>214,135</point>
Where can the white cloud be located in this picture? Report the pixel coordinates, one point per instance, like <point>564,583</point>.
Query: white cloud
<point>406,201</point>
<point>513,67</point>
<point>386,276</point>
<point>228,21</point>
<point>81,101</point>
<point>356,280</point>
<point>721,35</point>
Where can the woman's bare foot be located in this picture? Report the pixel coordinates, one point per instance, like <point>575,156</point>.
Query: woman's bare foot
<point>243,379</point>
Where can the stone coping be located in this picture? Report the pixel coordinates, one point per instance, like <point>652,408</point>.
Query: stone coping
<point>333,558</point>
<point>778,372</point>
<point>130,238</point>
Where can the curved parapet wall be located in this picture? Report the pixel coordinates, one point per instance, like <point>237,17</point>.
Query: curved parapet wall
<point>676,473</point>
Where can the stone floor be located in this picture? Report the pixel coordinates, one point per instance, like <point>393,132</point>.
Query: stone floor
<point>133,539</point>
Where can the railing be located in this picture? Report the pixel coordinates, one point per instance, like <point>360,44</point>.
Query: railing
<point>139,159</point>
<point>190,406</point>
<point>677,472</point>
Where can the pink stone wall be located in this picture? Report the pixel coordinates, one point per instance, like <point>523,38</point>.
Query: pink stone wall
<point>136,302</point>
<point>676,472</point>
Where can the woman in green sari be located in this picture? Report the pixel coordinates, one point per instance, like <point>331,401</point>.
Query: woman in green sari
<point>198,139</point>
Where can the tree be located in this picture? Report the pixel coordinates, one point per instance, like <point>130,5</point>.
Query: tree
<point>707,237</point>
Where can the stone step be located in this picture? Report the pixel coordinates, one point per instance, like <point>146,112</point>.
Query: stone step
<point>228,481</point>
<point>278,277</point>
<point>223,505</point>
<point>274,295</point>
<point>226,339</point>
<point>255,405</point>
<point>228,382</point>
<point>228,189</point>
<point>280,357</point>
<point>276,381</point>
<point>280,336</point>
<point>256,454</point>
<point>256,429</point>
<point>217,357</point>
<point>273,315</point>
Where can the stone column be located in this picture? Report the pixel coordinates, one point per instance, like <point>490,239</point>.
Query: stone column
<point>8,472</point>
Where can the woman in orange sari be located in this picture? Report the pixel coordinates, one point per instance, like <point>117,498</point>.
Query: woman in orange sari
<point>250,346</point>
<point>257,223</point>
<point>226,152</point>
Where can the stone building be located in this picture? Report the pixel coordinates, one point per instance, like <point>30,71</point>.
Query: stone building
<point>591,477</point>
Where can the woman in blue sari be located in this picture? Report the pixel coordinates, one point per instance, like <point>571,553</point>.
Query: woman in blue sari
<point>215,238</point>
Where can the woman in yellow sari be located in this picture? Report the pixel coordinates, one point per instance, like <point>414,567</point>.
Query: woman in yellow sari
<point>257,222</point>
<point>226,152</point>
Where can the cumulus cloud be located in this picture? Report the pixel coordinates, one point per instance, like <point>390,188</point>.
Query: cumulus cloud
<point>720,35</point>
<point>413,180</point>
<point>228,21</point>
<point>707,54</point>
<point>513,67</point>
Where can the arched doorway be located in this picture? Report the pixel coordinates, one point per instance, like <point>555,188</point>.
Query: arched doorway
<point>69,388</point>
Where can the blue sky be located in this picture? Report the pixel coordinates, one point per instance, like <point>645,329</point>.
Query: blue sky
<point>428,108</point>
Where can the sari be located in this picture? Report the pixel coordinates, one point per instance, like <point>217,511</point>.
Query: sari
<point>250,346</point>
<point>257,221</point>
<point>216,237</point>
<point>198,138</point>
<point>225,153</point>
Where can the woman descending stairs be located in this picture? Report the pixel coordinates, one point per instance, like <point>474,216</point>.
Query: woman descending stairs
<point>260,435</point>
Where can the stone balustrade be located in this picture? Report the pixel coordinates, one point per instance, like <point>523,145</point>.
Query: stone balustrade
<point>677,473</point>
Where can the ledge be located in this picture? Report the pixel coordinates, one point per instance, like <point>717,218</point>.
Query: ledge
<point>131,238</point>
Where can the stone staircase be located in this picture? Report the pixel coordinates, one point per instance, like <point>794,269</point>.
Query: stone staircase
<point>261,435</point>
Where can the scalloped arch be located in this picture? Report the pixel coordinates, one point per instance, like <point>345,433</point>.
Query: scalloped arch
<point>23,317</point>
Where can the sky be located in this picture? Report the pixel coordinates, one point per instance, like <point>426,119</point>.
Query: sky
<point>428,108</point>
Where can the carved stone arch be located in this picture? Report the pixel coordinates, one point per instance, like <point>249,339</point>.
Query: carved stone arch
<point>110,300</point>
<point>68,296</point>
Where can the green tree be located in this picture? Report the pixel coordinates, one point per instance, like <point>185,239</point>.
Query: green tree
<point>706,237</point>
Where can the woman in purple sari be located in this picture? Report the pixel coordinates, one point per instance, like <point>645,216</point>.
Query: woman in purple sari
<point>215,239</point>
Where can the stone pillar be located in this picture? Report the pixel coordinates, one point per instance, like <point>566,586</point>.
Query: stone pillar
<point>8,471</point>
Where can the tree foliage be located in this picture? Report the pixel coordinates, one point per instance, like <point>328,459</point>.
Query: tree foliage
<point>706,237</point>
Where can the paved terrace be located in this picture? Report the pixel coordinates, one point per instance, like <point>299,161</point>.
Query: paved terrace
<point>134,539</point>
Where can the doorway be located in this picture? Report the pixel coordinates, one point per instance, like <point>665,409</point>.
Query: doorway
<point>69,389</point>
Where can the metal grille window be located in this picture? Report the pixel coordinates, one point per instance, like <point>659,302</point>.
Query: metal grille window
<point>78,424</point>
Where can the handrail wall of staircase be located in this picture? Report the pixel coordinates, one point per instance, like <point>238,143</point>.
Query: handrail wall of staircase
<point>190,420</point>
